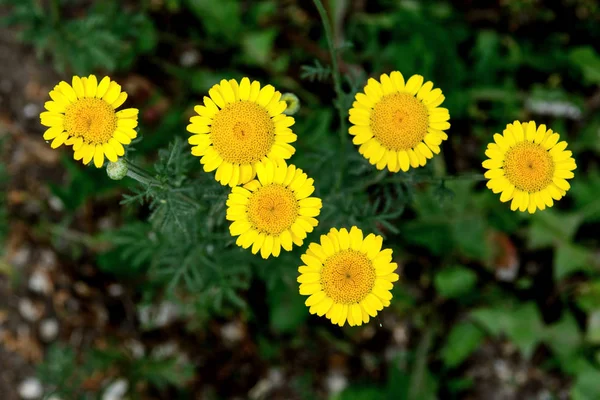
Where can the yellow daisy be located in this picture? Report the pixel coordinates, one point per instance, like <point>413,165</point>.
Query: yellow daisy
<point>529,166</point>
<point>348,278</point>
<point>84,115</point>
<point>273,211</point>
<point>239,126</point>
<point>399,124</point>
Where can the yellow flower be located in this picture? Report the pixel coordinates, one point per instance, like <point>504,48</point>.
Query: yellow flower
<point>84,115</point>
<point>273,211</point>
<point>529,166</point>
<point>399,124</point>
<point>348,278</point>
<point>239,126</point>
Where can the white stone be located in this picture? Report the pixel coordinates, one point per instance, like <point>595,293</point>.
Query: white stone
<point>39,282</point>
<point>336,382</point>
<point>31,110</point>
<point>116,390</point>
<point>48,259</point>
<point>31,388</point>
<point>56,204</point>
<point>189,58</point>
<point>158,316</point>
<point>49,329</point>
<point>28,310</point>
<point>232,332</point>
<point>21,257</point>
<point>115,290</point>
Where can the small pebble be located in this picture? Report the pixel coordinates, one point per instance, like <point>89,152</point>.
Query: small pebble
<point>21,257</point>
<point>28,310</point>
<point>232,332</point>
<point>336,382</point>
<point>48,259</point>
<point>39,282</point>
<point>189,58</point>
<point>31,110</point>
<point>49,329</point>
<point>115,290</point>
<point>116,390</point>
<point>56,204</point>
<point>158,316</point>
<point>31,388</point>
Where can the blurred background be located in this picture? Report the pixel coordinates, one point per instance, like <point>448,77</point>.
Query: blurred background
<point>103,300</point>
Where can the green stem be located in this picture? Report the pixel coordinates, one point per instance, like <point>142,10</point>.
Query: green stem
<point>417,379</point>
<point>145,178</point>
<point>141,175</point>
<point>55,11</point>
<point>337,82</point>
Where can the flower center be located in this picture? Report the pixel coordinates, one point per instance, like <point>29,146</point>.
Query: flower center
<point>348,277</point>
<point>529,167</point>
<point>242,132</point>
<point>272,209</point>
<point>93,119</point>
<point>399,121</point>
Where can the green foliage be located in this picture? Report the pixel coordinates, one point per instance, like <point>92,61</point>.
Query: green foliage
<point>64,372</point>
<point>106,37</point>
<point>174,242</point>
<point>455,281</point>
<point>521,324</point>
<point>184,241</point>
<point>588,61</point>
<point>464,338</point>
<point>458,226</point>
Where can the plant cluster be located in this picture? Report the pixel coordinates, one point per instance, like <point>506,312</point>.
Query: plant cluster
<point>287,192</point>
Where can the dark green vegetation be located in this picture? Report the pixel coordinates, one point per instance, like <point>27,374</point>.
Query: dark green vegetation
<point>481,286</point>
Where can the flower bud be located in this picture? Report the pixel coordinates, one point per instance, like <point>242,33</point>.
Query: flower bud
<point>117,170</point>
<point>293,103</point>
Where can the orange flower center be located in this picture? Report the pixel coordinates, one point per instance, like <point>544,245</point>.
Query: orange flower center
<point>529,167</point>
<point>242,132</point>
<point>347,277</point>
<point>399,121</point>
<point>93,119</point>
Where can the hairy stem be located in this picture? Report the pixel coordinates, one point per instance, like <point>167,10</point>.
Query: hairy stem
<point>141,175</point>
<point>337,82</point>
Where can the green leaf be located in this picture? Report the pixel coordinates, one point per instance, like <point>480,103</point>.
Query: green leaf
<point>522,325</point>
<point>551,227</point>
<point>586,385</point>
<point>525,328</point>
<point>455,281</point>
<point>588,296</point>
<point>464,338</point>
<point>593,328</point>
<point>564,337</point>
<point>258,46</point>
<point>588,61</point>
<point>287,308</point>
<point>496,321</point>
<point>357,392</point>
<point>570,258</point>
